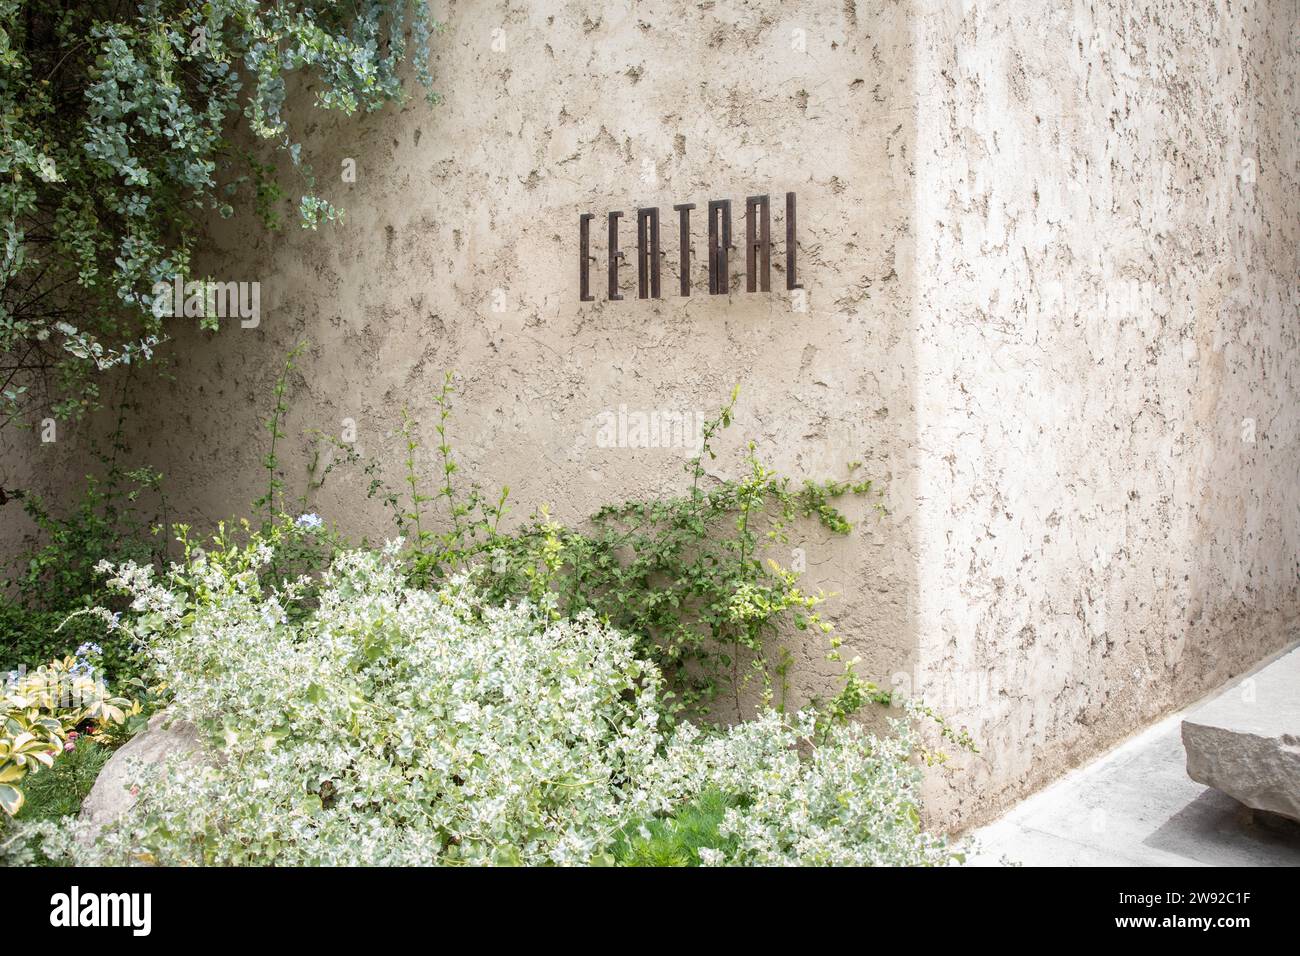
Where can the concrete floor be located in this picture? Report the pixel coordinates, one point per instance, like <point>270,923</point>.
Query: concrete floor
<point>1136,806</point>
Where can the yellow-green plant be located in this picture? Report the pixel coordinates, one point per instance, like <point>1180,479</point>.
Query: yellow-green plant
<point>40,708</point>
<point>688,574</point>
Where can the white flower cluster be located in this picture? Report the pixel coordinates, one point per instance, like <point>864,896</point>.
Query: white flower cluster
<point>848,800</point>
<point>391,725</point>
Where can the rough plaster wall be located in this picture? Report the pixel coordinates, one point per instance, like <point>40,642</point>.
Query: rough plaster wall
<point>1041,300</point>
<point>1106,218</point>
<point>476,201</point>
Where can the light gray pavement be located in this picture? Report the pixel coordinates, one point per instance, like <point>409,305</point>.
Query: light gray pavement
<point>1136,806</point>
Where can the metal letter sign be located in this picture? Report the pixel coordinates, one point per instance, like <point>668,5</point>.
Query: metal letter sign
<point>649,250</point>
<point>647,253</point>
<point>614,256</point>
<point>758,245</point>
<point>585,258</point>
<point>719,243</point>
<point>790,282</point>
<point>684,256</point>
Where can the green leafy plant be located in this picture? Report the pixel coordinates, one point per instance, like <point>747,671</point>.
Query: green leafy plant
<point>272,502</point>
<point>59,791</point>
<point>688,574</point>
<point>40,708</point>
<point>676,839</point>
<point>122,515</point>
<point>117,127</point>
<point>390,724</point>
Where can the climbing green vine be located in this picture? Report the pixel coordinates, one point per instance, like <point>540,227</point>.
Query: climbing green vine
<point>690,574</point>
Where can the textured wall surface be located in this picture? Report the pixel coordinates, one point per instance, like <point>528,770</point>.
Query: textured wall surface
<point>460,252</point>
<point>1108,395</point>
<point>1050,254</point>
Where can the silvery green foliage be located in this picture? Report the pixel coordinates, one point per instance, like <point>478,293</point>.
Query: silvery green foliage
<point>848,800</point>
<point>117,122</point>
<point>391,725</point>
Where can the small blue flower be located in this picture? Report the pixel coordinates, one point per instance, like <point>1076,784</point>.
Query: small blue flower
<point>309,522</point>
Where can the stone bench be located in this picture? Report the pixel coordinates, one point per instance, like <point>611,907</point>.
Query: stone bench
<point>1246,742</point>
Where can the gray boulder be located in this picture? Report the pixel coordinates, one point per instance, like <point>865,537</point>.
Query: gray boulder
<point>1246,742</point>
<point>111,796</point>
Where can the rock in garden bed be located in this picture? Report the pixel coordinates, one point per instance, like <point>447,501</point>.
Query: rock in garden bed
<point>111,796</point>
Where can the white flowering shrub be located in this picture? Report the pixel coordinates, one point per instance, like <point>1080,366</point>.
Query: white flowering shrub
<point>384,724</point>
<point>850,799</point>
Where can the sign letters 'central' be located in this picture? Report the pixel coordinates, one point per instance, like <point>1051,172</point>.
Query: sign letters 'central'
<point>758,249</point>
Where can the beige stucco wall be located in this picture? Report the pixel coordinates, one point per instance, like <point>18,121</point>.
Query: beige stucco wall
<point>1078,536</point>
<point>551,110</point>
<point>1108,385</point>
